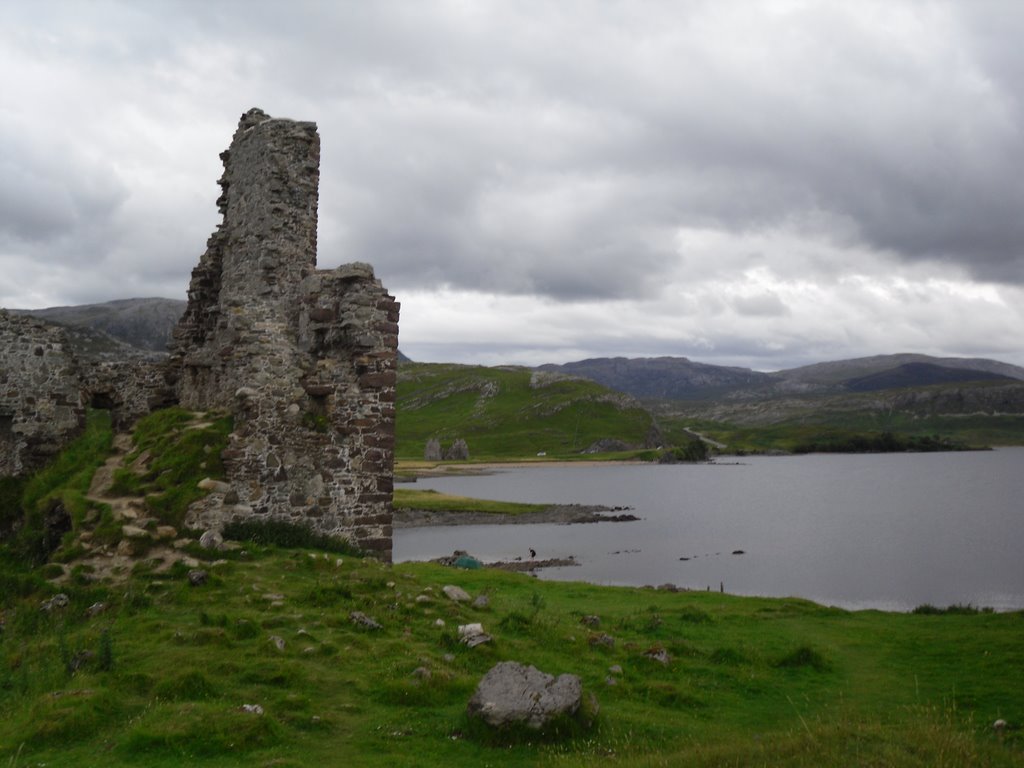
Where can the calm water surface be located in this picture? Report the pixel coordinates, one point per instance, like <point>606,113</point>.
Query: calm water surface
<point>888,531</point>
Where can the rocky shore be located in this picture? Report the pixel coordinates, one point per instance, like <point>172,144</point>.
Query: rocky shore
<point>560,514</point>
<point>461,559</point>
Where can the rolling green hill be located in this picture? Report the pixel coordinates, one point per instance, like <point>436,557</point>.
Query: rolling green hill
<point>513,412</point>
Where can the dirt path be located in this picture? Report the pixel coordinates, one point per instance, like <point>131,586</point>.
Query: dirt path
<point>142,536</point>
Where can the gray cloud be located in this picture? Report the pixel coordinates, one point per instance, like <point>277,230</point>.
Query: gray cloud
<point>565,151</point>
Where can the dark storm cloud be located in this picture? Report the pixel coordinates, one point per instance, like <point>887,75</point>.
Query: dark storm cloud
<point>886,116</point>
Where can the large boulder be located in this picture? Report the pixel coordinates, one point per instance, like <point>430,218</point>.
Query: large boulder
<point>515,695</point>
<point>433,450</point>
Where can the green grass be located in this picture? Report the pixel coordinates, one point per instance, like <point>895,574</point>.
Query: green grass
<point>830,431</point>
<point>501,416</point>
<point>182,452</point>
<point>751,681</point>
<point>435,501</point>
<point>61,485</point>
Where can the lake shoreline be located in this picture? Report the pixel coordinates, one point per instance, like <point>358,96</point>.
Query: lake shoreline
<point>559,514</point>
<point>842,530</point>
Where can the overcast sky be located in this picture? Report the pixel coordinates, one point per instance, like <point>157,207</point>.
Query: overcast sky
<point>763,183</point>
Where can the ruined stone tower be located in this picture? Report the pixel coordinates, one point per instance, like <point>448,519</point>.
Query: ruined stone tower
<point>303,358</point>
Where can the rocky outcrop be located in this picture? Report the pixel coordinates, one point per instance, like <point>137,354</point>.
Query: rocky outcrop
<point>303,358</point>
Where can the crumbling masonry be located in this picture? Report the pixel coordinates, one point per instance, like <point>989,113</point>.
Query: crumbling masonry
<point>41,406</point>
<point>303,358</point>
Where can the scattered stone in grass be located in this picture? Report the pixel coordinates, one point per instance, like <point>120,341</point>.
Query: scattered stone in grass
<point>591,621</point>
<point>339,562</point>
<point>211,540</point>
<point>60,600</point>
<point>303,632</point>
<point>273,597</point>
<point>423,599</point>
<point>439,623</point>
<point>277,641</point>
<point>421,673</point>
<point>610,681</point>
<point>134,532</point>
<point>164,532</point>
<point>448,658</point>
<point>95,610</point>
<point>659,655</point>
<point>615,669</point>
<point>308,650</point>
<point>361,619</point>
<point>252,709</point>
<point>197,577</point>
<point>473,635</point>
<point>456,594</point>
<point>999,725</point>
<point>390,585</point>
<point>213,486</point>
<point>482,601</point>
<point>603,640</point>
<point>125,548</point>
<point>512,694</point>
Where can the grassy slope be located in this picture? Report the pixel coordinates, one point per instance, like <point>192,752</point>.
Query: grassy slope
<point>974,430</point>
<point>779,682</point>
<point>500,416</point>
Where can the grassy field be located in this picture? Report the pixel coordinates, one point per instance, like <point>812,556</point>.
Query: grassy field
<point>161,675</point>
<point>501,415</point>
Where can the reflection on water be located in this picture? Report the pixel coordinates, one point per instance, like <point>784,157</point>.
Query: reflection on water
<point>876,531</point>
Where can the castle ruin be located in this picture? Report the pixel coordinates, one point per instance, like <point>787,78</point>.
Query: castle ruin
<point>41,402</point>
<point>304,359</point>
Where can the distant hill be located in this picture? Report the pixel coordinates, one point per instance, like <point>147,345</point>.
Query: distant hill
<point>838,373</point>
<point>677,378</point>
<point>920,375</point>
<point>514,412</point>
<point>663,378</point>
<point>145,324</point>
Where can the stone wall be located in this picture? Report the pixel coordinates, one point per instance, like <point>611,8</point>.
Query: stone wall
<point>41,400</point>
<point>304,358</point>
<point>45,388</point>
<point>129,389</point>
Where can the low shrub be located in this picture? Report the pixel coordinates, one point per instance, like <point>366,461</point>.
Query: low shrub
<point>290,535</point>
